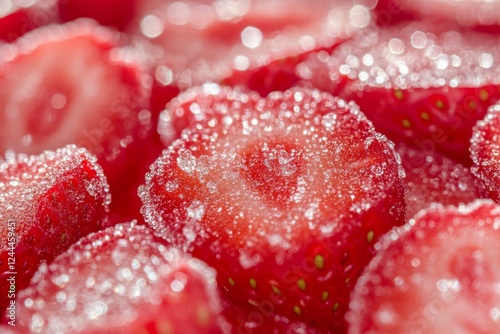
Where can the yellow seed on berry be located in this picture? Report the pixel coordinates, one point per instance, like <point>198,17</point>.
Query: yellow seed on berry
<point>163,327</point>
<point>336,307</point>
<point>276,290</point>
<point>253,283</point>
<point>439,104</point>
<point>324,296</point>
<point>319,261</point>
<point>472,104</point>
<point>301,284</point>
<point>398,93</point>
<point>483,94</point>
<point>425,116</point>
<point>297,310</point>
<point>406,123</point>
<point>231,281</point>
<point>203,315</point>
<point>369,236</point>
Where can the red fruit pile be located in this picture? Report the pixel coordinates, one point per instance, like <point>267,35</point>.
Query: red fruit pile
<point>253,166</point>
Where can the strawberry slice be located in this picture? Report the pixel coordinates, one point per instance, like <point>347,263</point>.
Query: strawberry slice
<point>72,84</point>
<point>17,17</point>
<point>418,87</point>
<point>484,149</point>
<point>433,178</point>
<point>284,196</point>
<point>122,280</point>
<point>114,13</point>
<point>47,203</point>
<point>438,274</point>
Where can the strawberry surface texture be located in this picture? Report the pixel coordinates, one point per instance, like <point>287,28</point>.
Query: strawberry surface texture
<point>249,166</point>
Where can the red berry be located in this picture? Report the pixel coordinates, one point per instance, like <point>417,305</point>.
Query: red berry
<point>485,153</point>
<point>47,203</point>
<point>73,84</point>
<point>17,17</point>
<point>122,280</point>
<point>438,274</point>
<point>284,196</point>
<point>433,178</point>
<point>114,13</point>
<point>418,87</point>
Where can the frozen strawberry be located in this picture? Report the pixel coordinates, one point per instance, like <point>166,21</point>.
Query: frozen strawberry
<point>114,13</point>
<point>240,39</point>
<point>479,14</point>
<point>47,202</point>
<point>17,17</point>
<point>73,84</point>
<point>421,88</point>
<point>438,274</point>
<point>122,280</point>
<point>485,152</point>
<point>284,196</point>
<point>433,178</point>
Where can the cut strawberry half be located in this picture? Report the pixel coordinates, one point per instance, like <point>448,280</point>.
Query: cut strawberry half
<point>284,196</point>
<point>418,87</point>
<point>115,13</point>
<point>72,84</point>
<point>122,280</point>
<point>47,203</point>
<point>240,39</point>
<point>485,153</point>
<point>17,17</point>
<point>438,274</point>
<point>433,178</point>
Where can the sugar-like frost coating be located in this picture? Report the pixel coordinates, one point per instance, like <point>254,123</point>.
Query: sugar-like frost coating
<point>122,280</point>
<point>255,184</point>
<point>436,274</point>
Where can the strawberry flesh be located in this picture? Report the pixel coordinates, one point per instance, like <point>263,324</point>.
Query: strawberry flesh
<point>284,196</point>
<point>47,202</point>
<point>438,274</point>
<point>122,280</point>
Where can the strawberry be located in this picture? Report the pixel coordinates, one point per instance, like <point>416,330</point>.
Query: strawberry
<point>74,84</point>
<point>122,280</point>
<point>17,17</point>
<point>425,89</point>
<point>114,13</point>
<point>438,274</point>
<point>242,42</point>
<point>47,202</point>
<point>433,178</point>
<point>284,196</point>
<point>477,14</point>
<point>485,151</point>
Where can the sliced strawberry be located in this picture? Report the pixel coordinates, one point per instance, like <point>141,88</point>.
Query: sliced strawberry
<point>47,203</point>
<point>240,39</point>
<point>122,280</point>
<point>73,84</point>
<point>485,153</point>
<point>433,178</point>
<point>17,17</point>
<point>114,13</point>
<point>438,274</point>
<point>284,196</point>
<point>425,89</point>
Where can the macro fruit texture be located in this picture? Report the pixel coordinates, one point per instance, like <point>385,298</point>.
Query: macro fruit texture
<point>420,84</point>
<point>47,202</point>
<point>122,280</point>
<point>436,274</point>
<point>284,196</point>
